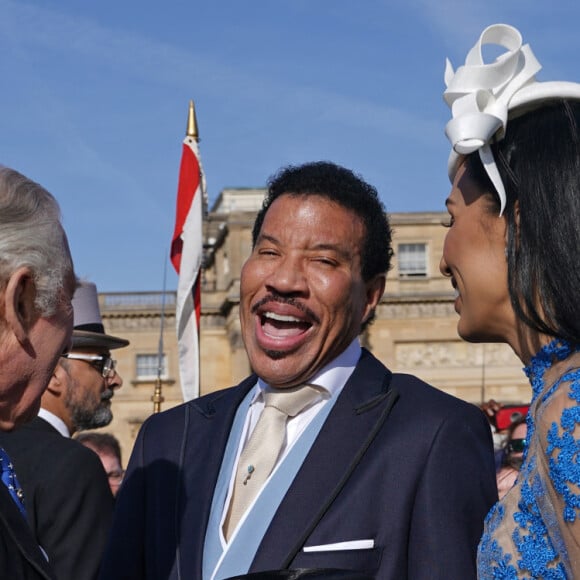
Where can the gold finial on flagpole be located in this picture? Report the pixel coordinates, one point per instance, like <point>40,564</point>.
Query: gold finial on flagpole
<point>192,123</point>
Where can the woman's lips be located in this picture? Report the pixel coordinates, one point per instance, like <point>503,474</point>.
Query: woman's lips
<point>456,296</point>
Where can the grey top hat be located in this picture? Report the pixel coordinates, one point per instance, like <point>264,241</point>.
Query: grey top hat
<point>88,325</point>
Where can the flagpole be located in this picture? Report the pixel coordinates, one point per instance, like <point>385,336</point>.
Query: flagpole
<point>157,397</point>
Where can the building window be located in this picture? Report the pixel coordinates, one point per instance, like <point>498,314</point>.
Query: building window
<point>148,365</point>
<point>412,260</point>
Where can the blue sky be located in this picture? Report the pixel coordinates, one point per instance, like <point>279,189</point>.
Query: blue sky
<point>95,96</point>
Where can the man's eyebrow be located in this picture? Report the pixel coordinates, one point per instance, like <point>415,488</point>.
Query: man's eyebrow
<point>268,238</point>
<point>343,252</point>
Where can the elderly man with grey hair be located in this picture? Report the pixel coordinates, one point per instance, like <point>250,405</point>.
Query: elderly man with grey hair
<point>69,500</point>
<point>37,282</point>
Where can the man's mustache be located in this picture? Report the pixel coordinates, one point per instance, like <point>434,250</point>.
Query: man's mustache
<point>107,395</point>
<point>284,300</point>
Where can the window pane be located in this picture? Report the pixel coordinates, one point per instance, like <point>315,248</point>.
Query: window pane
<point>412,259</point>
<point>147,366</point>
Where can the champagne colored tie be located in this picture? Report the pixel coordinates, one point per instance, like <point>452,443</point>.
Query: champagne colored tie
<point>263,448</point>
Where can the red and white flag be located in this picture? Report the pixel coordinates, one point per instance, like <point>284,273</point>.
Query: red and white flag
<point>186,256</point>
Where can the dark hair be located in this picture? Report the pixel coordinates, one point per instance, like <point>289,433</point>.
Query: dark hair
<point>521,420</point>
<point>348,190</point>
<point>539,163</point>
<point>103,442</point>
<point>506,458</point>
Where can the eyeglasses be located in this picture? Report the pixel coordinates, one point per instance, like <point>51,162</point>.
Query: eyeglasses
<point>116,476</point>
<point>102,363</point>
<point>516,445</point>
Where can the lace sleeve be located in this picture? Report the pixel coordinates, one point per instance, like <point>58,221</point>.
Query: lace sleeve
<point>558,424</point>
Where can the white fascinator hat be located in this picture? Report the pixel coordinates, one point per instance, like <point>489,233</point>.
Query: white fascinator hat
<point>483,97</point>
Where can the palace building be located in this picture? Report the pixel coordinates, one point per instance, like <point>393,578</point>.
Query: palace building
<point>414,330</point>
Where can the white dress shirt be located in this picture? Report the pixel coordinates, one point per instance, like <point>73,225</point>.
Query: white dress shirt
<point>331,379</point>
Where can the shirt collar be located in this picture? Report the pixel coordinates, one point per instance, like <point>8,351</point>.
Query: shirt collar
<point>333,376</point>
<point>55,421</point>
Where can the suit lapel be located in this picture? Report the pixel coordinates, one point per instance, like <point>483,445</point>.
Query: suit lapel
<point>204,445</point>
<point>361,409</point>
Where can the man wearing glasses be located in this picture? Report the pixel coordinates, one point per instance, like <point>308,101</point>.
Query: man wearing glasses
<point>108,448</point>
<point>68,499</point>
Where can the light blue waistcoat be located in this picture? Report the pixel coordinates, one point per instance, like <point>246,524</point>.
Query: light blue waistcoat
<point>243,547</point>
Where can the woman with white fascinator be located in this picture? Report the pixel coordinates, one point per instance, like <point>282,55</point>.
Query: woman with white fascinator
<point>512,254</point>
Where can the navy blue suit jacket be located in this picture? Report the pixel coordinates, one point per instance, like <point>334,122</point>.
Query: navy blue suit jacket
<point>396,461</point>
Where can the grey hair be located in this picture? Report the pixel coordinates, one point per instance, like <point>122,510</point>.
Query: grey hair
<point>32,236</point>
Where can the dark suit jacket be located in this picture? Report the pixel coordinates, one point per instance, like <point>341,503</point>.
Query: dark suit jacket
<point>67,496</point>
<point>396,461</point>
<point>20,556</point>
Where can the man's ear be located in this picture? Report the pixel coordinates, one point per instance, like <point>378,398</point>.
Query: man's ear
<point>58,381</point>
<point>375,289</point>
<point>19,308</point>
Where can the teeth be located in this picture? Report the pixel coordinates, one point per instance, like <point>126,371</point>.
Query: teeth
<point>281,318</point>
<point>456,293</point>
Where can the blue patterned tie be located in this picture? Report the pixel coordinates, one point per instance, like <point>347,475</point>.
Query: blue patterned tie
<point>9,479</point>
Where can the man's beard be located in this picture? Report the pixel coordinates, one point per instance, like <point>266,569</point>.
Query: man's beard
<point>84,417</point>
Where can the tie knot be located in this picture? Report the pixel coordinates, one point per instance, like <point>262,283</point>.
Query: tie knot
<point>291,401</point>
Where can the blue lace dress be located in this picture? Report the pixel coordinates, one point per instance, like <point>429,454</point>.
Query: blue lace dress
<point>534,531</point>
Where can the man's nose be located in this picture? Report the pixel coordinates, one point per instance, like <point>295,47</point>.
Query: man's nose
<point>115,381</point>
<point>288,277</point>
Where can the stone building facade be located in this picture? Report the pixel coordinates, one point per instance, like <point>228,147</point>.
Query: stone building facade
<point>414,331</point>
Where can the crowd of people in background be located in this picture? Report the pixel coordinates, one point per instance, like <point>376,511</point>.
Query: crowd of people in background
<point>323,463</point>
<point>509,429</point>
